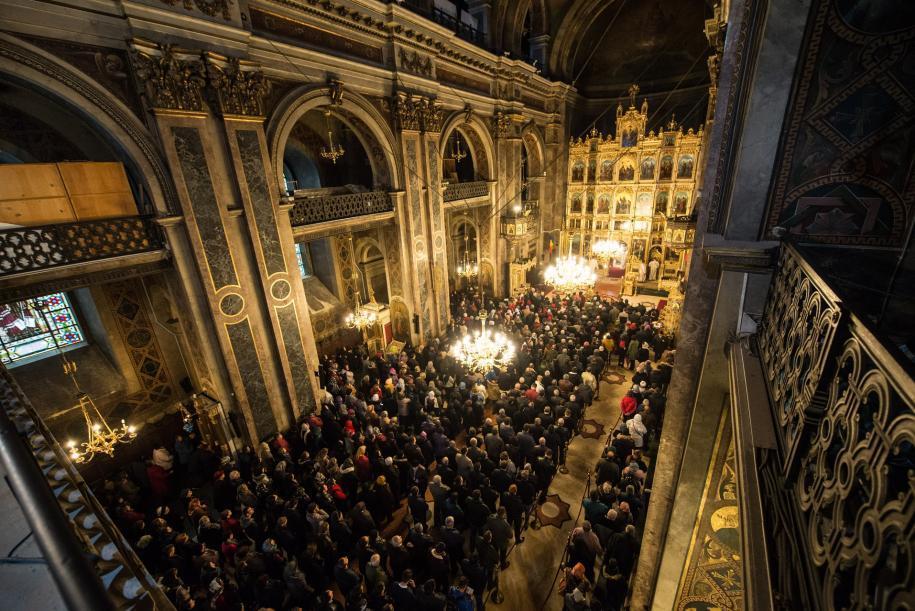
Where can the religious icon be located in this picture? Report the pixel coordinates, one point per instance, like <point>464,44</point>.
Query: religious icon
<point>660,206</point>
<point>576,203</point>
<point>685,168</point>
<point>606,170</point>
<point>603,205</point>
<point>623,206</point>
<point>680,203</point>
<point>647,172</point>
<point>667,167</point>
<point>627,172</point>
<point>578,172</point>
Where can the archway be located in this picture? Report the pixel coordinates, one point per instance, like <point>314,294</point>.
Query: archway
<point>112,122</point>
<point>349,111</point>
<point>458,162</point>
<point>476,137</point>
<point>465,249</point>
<point>373,275</point>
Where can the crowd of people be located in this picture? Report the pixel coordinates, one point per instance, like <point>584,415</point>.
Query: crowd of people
<point>408,485</point>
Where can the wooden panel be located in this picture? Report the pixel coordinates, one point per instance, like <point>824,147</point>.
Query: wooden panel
<point>36,211</point>
<point>98,190</point>
<point>33,194</point>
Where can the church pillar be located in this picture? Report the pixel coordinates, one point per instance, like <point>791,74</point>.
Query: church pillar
<point>421,219</point>
<point>507,129</point>
<point>237,252</point>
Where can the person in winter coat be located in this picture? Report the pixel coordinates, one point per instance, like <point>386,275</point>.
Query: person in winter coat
<point>637,430</point>
<point>629,403</point>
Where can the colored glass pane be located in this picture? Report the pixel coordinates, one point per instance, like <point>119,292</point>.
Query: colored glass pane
<point>35,328</point>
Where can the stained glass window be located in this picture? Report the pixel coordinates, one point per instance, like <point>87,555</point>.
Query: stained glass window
<point>28,329</point>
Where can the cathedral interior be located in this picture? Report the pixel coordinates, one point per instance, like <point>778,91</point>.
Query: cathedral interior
<point>457,304</point>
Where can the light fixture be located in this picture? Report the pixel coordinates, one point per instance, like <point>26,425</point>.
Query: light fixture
<point>467,269</point>
<point>607,250</point>
<point>361,317</point>
<point>483,351</point>
<point>100,437</point>
<point>456,152</point>
<point>332,151</point>
<point>569,274</point>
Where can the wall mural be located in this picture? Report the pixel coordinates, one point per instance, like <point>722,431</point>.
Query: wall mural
<point>845,174</point>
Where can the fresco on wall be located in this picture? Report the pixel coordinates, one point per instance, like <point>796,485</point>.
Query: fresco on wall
<point>844,175</point>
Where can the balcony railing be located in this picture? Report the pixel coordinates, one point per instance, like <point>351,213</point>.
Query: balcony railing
<point>320,209</point>
<point>463,30</point>
<point>24,249</point>
<point>466,190</point>
<point>839,488</point>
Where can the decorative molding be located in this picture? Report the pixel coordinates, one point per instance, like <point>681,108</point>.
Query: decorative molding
<point>84,279</point>
<point>169,78</point>
<point>239,85</point>
<point>416,113</point>
<point>411,61</point>
<point>210,8</point>
<point>502,125</point>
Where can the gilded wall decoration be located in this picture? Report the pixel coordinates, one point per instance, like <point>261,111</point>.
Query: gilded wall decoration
<point>138,334</point>
<point>713,575</point>
<point>169,78</point>
<point>844,175</point>
<point>460,81</point>
<point>391,243</point>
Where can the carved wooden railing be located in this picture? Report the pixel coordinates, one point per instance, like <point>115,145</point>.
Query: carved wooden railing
<point>24,249</point>
<point>123,576</point>
<point>466,190</point>
<point>839,491</point>
<point>320,209</point>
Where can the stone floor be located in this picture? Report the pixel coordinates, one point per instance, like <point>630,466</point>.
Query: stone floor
<point>531,582</point>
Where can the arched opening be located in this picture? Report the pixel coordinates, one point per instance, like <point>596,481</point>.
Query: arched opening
<point>458,163</point>
<point>323,151</point>
<point>464,249</point>
<point>373,277</point>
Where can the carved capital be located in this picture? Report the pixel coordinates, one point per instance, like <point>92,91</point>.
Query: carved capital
<point>239,85</point>
<point>501,124</point>
<point>167,77</point>
<point>416,113</point>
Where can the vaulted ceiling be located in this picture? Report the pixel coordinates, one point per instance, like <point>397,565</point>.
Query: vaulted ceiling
<point>603,46</point>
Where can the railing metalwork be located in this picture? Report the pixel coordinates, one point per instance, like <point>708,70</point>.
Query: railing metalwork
<point>319,209</point>
<point>839,489</point>
<point>463,30</point>
<point>24,249</point>
<point>90,559</point>
<point>466,190</point>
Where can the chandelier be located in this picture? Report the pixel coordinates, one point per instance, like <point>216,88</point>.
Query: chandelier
<point>361,317</point>
<point>568,274</point>
<point>466,268</point>
<point>607,250</point>
<point>332,151</point>
<point>483,351</point>
<point>100,437</point>
<point>456,153</point>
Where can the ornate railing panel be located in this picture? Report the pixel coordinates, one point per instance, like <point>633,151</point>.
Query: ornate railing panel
<point>466,190</point>
<point>798,328</point>
<point>844,478</point>
<point>310,210</point>
<point>24,249</point>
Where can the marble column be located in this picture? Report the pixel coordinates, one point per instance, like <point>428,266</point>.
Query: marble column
<point>235,254</point>
<point>507,129</point>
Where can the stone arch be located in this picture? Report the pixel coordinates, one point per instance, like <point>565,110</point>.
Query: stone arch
<point>569,34</point>
<point>363,246</point>
<point>508,22</point>
<point>454,222</point>
<point>357,112</point>
<point>478,139</point>
<point>41,71</point>
<point>532,140</point>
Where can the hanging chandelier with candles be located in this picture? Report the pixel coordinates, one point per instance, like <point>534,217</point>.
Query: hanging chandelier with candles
<point>569,274</point>
<point>333,151</point>
<point>100,437</point>
<point>467,269</point>
<point>608,250</point>
<point>361,317</point>
<point>483,351</point>
<point>456,152</point>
